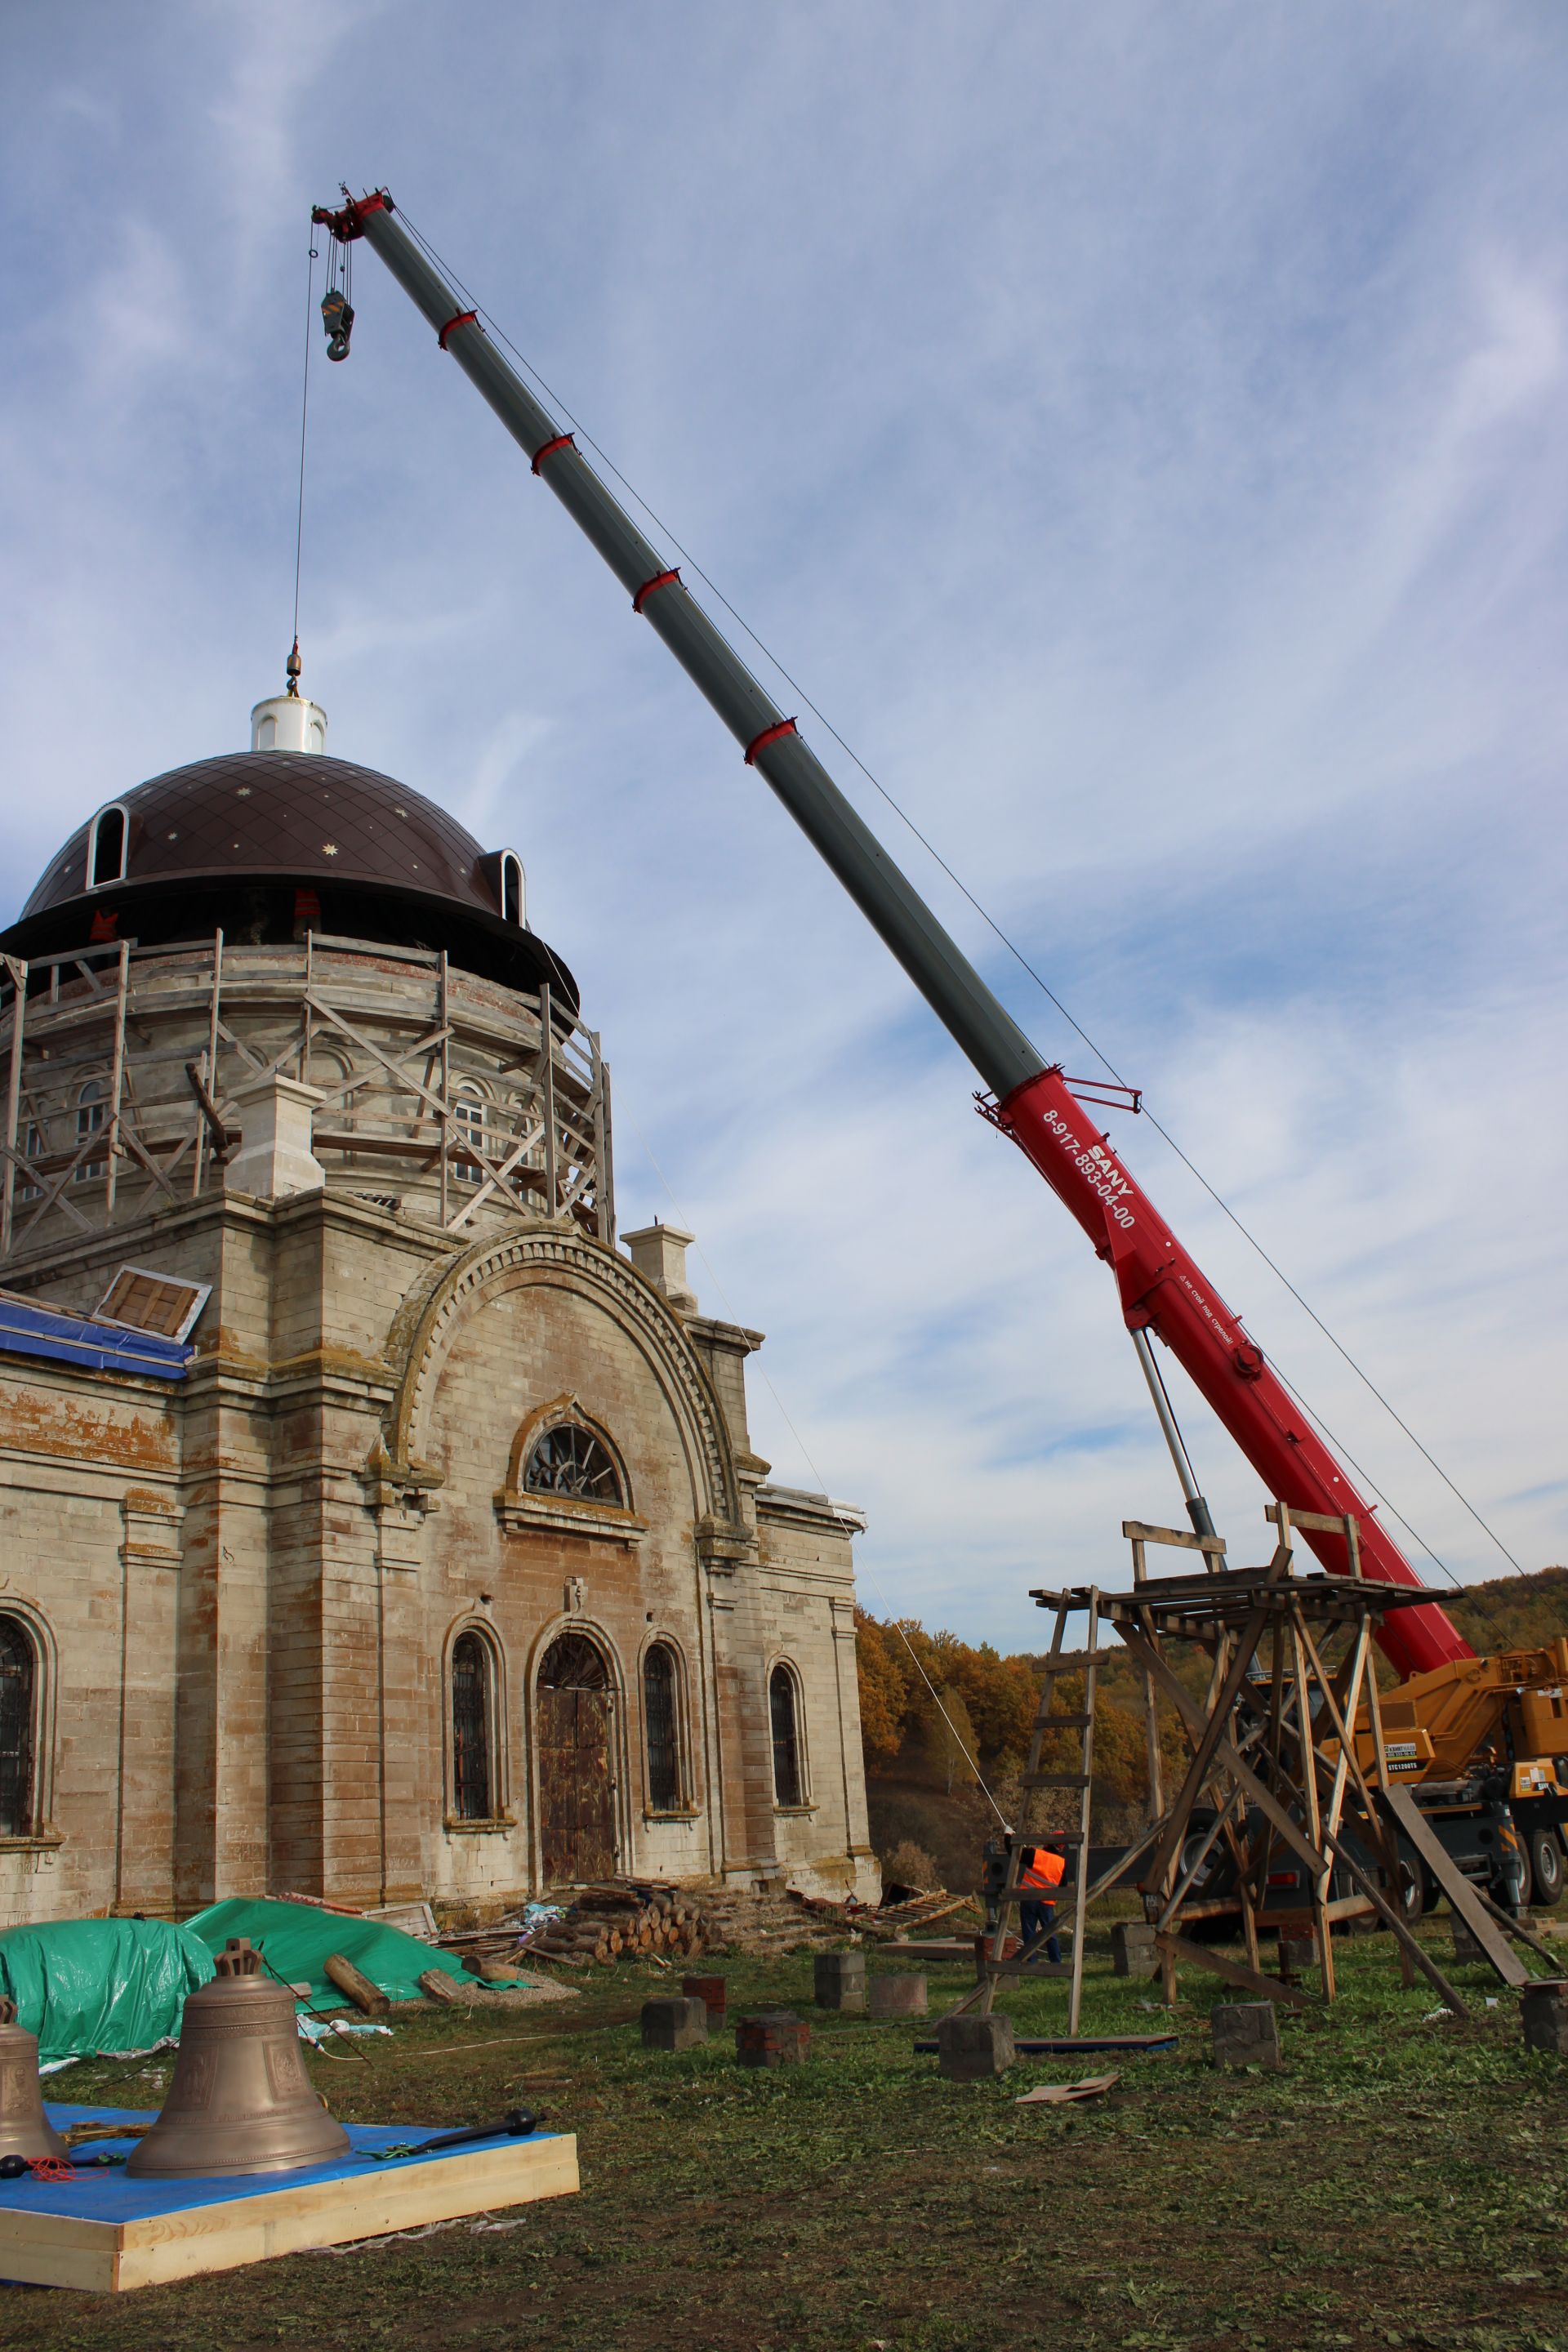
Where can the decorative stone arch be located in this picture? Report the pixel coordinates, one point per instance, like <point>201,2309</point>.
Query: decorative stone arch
<point>544,1756</point>
<point>499,1729</point>
<point>544,1255</point>
<point>37,1633</point>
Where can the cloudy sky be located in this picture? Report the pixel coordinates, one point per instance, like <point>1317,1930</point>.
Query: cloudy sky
<point>1139,431</point>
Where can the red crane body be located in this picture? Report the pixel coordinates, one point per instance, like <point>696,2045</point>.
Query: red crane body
<point>1162,1290</point>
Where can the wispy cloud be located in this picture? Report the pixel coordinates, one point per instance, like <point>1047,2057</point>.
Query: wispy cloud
<point>1140,430</point>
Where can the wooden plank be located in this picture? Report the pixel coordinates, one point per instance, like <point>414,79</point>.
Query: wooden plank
<point>1407,1813</point>
<point>1140,1531</point>
<point>1300,1923</point>
<point>1066,2044</point>
<point>1202,1956</point>
<point>252,2222</point>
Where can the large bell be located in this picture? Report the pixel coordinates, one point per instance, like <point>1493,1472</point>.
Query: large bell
<point>24,2129</point>
<point>241,2100</point>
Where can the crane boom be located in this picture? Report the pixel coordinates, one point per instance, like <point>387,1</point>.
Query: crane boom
<point>1161,1288</point>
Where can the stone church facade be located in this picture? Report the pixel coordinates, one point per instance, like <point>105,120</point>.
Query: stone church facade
<point>373,1522</point>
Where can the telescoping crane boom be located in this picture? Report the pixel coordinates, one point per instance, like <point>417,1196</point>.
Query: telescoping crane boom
<point>1162,1290</point>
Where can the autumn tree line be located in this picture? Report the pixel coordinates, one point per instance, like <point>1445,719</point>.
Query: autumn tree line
<point>988,1701</point>
<point>986,1712</point>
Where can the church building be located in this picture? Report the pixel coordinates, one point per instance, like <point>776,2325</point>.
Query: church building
<point>375,1523</point>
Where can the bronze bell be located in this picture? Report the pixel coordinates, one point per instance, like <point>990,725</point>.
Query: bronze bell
<point>241,2100</point>
<point>24,2129</point>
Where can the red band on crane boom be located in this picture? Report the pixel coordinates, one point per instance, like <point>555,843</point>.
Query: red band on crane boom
<point>660,580</point>
<point>548,448</point>
<point>769,735</point>
<point>463,318</point>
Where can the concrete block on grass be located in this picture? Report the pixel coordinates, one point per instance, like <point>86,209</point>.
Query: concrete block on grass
<point>901,1996</point>
<point>1466,1947</point>
<point>680,2024</point>
<point>973,2049</point>
<point>1246,2033</point>
<point>1544,2008</point>
<point>1132,1952</point>
<point>775,2037</point>
<point>713,1993</point>
<point>838,1979</point>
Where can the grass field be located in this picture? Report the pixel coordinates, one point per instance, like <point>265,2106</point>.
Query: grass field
<point>1404,2181</point>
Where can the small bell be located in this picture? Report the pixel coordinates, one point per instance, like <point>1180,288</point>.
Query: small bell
<point>241,2100</point>
<point>24,2129</point>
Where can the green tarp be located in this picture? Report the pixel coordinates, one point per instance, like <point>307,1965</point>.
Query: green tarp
<point>295,1938</point>
<point>88,1985</point>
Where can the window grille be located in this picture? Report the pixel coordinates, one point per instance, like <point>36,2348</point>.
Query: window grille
<point>471,1800</point>
<point>663,1738</point>
<point>15,1731</point>
<point>90,1109</point>
<point>574,1662</point>
<point>569,1460</point>
<point>787,1736</point>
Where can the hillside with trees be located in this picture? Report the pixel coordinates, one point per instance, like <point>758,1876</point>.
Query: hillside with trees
<point>929,1817</point>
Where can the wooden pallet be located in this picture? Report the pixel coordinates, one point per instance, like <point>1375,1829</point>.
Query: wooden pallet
<point>105,2234</point>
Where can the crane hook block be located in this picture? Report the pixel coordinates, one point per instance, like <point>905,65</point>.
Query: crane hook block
<point>338,317</point>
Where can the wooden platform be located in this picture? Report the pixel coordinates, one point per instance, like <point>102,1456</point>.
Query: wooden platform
<point>105,2232</point>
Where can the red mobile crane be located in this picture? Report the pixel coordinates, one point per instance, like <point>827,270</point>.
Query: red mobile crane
<point>1163,1291</point>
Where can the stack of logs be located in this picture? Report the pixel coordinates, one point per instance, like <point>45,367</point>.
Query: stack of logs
<point>625,1916</point>
<point>639,1918</point>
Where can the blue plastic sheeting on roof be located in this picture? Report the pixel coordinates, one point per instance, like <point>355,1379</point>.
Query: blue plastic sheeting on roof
<point>101,1346</point>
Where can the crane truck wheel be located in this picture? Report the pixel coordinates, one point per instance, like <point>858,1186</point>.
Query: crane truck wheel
<point>1545,1866</point>
<point>1410,1887</point>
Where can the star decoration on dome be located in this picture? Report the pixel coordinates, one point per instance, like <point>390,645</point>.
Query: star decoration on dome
<point>329,849</point>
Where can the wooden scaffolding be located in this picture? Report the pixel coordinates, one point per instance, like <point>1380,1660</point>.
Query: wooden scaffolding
<point>119,1063</point>
<point>1285,1822</point>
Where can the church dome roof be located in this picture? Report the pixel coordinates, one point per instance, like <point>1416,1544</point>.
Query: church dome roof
<point>271,839</point>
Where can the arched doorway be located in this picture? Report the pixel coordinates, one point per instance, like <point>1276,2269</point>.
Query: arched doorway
<point>575,1714</point>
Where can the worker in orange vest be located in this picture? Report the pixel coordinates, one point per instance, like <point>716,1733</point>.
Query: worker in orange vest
<point>1041,1869</point>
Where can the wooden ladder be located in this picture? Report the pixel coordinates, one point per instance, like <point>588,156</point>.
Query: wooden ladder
<point>1059,1662</point>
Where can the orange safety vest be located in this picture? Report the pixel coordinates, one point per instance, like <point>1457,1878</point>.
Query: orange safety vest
<point>1042,1870</point>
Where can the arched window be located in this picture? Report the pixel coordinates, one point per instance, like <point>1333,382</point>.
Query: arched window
<point>659,1689</point>
<point>90,1110</point>
<point>788,1788</point>
<point>17,1682</point>
<point>472,1798</point>
<point>569,1460</point>
<point>511,899</point>
<point>469,1113</point>
<point>106,848</point>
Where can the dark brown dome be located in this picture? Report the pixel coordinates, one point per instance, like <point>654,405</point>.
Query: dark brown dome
<point>257,836</point>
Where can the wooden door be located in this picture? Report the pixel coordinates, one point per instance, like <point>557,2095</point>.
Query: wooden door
<point>574,1716</point>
